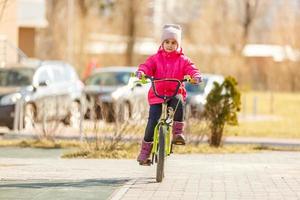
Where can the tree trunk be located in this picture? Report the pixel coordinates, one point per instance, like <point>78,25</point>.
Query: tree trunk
<point>216,136</point>
<point>81,56</point>
<point>131,32</point>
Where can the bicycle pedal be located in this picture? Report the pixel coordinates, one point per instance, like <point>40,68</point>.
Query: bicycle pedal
<point>147,163</point>
<point>179,143</point>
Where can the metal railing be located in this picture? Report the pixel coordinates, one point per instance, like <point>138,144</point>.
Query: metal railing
<point>5,46</point>
<point>132,129</point>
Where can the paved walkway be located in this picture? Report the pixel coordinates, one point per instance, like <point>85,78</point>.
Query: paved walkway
<point>272,175</point>
<point>267,175</point>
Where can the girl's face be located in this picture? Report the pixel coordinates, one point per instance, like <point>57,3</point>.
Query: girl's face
<point>170,45</point>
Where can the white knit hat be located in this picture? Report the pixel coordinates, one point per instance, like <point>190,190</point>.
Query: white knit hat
<point>171,31</point>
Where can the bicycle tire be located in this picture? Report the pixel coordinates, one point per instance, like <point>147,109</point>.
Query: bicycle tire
<point>161,154</point>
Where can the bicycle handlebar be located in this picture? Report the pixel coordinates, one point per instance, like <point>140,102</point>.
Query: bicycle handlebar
<point>167,79</point>
<point>165,97</point>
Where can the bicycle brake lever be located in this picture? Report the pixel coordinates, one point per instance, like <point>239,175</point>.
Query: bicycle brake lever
<point>187,78</point>
<point>144,79</point>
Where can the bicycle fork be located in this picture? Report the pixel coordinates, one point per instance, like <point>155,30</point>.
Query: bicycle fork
<point>166,125</point>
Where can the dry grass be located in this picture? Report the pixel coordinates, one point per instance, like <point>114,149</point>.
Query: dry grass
<point>45,144</point>
<point>282,116</point>
<point>131,150</point>
<point>205,149</point>
<point>121,151</point>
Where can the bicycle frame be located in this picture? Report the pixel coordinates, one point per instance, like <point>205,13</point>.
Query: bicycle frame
<point>165,120</point>
<point>162,145</point>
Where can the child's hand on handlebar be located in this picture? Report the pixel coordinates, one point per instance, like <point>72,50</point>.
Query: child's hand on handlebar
<point>139,74</point>
<point>196,80</point>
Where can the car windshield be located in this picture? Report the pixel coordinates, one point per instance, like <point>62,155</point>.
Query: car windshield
<point>192,88</point>
<point>109,78</point>
<point>16,77</point>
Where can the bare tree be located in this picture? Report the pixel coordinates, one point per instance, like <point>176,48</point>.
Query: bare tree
<point>249,9</point>
<point>131,32</point>
<point>285,32</point>
<point>131,12</point>
<point>3,6</point>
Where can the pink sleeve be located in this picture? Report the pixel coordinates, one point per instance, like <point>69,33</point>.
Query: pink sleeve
<point>191,69</point>
<point>148,67</point>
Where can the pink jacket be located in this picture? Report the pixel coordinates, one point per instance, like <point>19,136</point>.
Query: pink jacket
<point>168,65</point>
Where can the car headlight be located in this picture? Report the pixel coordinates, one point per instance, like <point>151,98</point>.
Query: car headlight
<point>10,99</point>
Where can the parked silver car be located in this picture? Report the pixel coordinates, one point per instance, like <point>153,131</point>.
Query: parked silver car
<point>113,94</point>
<point>48,90</point>
<point>196,94</point>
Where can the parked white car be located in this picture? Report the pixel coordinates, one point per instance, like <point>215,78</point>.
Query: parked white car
<point>196,94</point>
<point>114,93</point>
<point>49,90</point>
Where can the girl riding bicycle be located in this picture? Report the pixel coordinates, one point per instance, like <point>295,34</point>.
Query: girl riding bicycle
<point>168,62</point>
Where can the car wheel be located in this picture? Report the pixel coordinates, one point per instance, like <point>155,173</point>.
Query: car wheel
<point>108,112</point>
<point>10,126</point>
<point>29,116</point>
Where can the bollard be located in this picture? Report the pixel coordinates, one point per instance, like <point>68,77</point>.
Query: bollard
<point>271,103</point>
<point>244,108</point>
<point>21,114</point>
<point>81,119</point>
<point>16,116</point>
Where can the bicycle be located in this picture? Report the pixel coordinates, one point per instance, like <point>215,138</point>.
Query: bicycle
<point>162,145</point>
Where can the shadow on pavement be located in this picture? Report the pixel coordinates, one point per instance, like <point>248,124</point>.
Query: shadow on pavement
<point>89,189</point>
<point>145,180</point>
<point>59,183</point>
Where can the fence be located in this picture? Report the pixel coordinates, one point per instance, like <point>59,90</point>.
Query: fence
<point>130,129</point>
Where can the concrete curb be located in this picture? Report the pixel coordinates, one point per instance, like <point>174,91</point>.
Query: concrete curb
<point>119,194</point>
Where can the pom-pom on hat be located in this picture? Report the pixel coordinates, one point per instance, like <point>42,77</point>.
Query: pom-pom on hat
<point>171,31</point>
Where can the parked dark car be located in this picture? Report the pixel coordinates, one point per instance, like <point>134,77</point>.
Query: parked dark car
<point>49,90</point>
<point>115,95</point>
<point>196,94</point>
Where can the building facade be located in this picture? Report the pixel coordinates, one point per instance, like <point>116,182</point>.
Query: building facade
<point>19,21</point>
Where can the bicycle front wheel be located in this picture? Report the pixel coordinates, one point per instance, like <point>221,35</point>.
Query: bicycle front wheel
<point>161,154</point>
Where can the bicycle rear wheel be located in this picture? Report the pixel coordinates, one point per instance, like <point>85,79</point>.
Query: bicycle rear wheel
<point>161,154</point>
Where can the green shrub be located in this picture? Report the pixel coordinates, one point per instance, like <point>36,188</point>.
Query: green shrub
<point>223,103</point>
